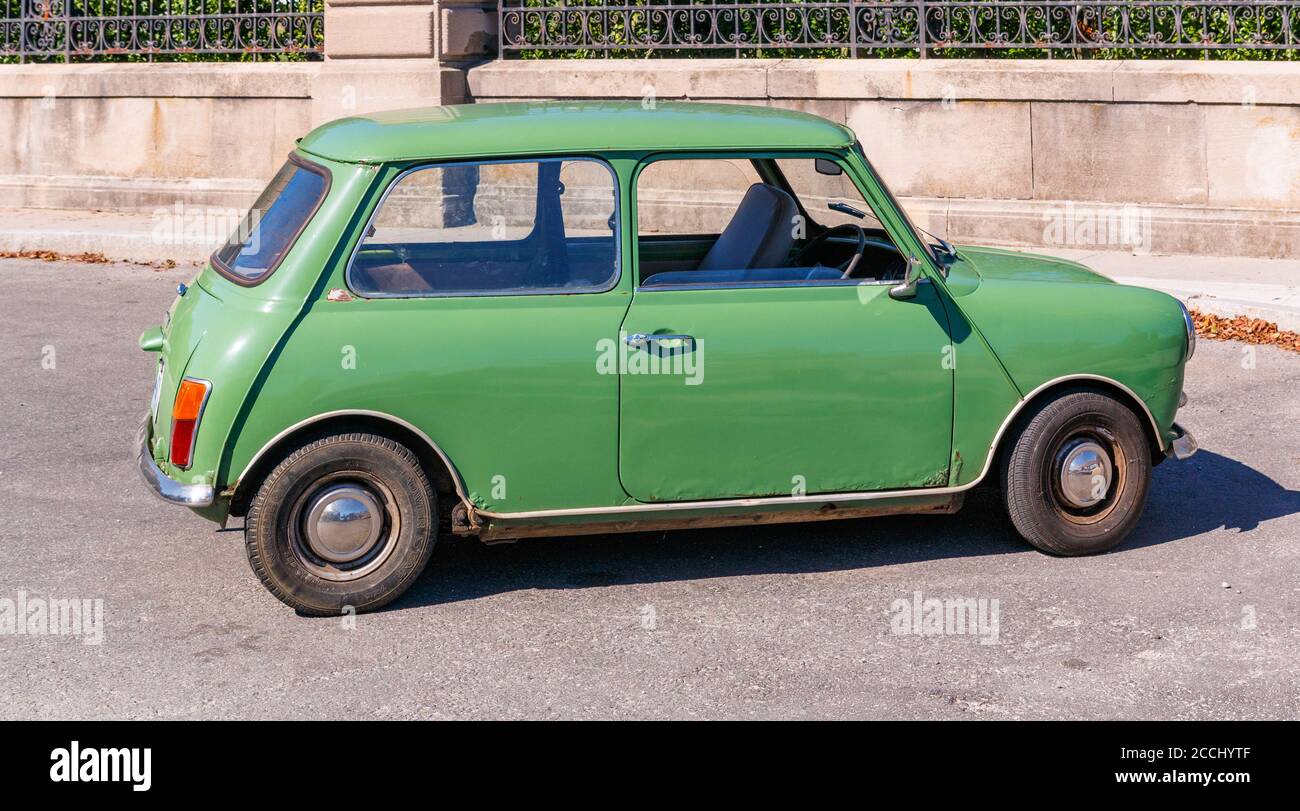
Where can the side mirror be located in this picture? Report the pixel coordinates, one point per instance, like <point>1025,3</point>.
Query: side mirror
<point>827,167</point>
<point>907,288</point>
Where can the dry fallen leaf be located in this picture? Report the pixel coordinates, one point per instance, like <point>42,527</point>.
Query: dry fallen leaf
<point>85,258</point>
<point>55,256</point>
<point>1247,330</point>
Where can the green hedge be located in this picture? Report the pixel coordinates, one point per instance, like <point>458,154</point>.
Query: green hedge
<point>1216,27</point>
<point>168,16</point>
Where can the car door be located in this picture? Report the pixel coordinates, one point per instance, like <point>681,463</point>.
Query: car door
<point>737,390</point>
<point>483,289</point>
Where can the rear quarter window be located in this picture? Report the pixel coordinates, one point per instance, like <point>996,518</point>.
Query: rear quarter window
<point>546,226</point>
<point>268,230</point>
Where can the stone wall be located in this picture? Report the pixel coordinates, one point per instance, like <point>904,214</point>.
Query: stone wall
<point>1197,157</point>
<point>1200,157</point>
<point>139,136</point>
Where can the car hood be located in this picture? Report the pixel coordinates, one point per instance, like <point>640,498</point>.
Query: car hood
<point>992,263</point>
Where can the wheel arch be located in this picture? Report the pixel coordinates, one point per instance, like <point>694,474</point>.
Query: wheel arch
<point>437,465</point>
<point>1057,387</point>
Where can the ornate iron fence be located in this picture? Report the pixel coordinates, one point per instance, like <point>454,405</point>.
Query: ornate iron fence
<point>148,30</point>
<point>1078,28</point>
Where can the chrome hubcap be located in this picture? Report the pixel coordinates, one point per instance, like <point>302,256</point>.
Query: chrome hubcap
<point>343,523</point>
<point>1084,472</point>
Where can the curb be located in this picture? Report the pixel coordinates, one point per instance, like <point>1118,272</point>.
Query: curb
<point>126,236</point>
<point>123,247</point>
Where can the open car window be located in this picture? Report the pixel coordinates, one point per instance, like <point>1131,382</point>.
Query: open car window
<point>756,221</point>
<point>492,228</point>
<point>818,192</point>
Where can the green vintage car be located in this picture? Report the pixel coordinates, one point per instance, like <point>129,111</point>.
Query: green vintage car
<point>518,320</point>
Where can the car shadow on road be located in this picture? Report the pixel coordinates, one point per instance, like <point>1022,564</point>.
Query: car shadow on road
<point>1187,499</point>
<point>1209,492</point>
<point>466,569</point>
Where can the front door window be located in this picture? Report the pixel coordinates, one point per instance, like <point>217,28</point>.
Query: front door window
<point>761,220</point>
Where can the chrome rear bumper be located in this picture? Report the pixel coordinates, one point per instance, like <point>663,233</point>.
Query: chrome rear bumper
<point>1184,445</point>
<point>165,487</point>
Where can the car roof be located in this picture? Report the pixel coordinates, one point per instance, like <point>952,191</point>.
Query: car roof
<point>514,128</point>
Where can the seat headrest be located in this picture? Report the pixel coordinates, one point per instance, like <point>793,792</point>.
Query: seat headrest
<point>760,234</point>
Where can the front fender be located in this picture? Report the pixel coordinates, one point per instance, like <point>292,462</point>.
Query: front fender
<point>1045,331</point>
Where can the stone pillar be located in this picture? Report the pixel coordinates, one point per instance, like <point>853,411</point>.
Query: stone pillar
<point>394,54</point>
<point>467,30</point>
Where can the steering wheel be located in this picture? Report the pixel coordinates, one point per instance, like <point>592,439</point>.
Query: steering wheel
<point>852,263</point>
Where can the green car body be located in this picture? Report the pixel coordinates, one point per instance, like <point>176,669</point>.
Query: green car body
<point>819,400</point>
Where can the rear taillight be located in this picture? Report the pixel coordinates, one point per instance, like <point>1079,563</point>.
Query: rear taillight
<point>186,411</point>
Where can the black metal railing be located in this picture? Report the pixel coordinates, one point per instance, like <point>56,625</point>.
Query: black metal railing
<point>1029,28</point>
<point>162,30</point>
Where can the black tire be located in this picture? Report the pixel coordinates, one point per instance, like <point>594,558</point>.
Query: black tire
<point>284,555</point>
<point>1031,475</point>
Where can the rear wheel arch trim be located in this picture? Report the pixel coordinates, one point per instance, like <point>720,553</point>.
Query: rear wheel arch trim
<point>275,441</point>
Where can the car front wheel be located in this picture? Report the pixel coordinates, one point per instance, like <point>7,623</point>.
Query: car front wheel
<point>347,521</point>
<point>1075,480</point>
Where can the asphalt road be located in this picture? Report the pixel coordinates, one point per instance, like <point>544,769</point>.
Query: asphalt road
<point>1195,616</point>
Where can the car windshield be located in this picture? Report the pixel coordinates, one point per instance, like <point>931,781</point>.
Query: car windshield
<point>829,199</point>
<point>907,219</point>
<point>266,232</point>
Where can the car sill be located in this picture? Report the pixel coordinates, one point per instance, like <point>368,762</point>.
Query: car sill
<point>827,498</point>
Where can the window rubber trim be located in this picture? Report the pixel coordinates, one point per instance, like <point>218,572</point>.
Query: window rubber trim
<point>229,274</point>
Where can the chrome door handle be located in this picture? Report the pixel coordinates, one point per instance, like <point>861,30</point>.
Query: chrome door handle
<point>642,339</point>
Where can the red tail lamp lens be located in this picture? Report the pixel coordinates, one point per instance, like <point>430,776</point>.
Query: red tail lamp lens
<point>185,419</point>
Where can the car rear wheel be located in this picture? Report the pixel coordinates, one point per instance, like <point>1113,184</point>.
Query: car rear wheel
<point>345,521</point>
<point>1075,480</point>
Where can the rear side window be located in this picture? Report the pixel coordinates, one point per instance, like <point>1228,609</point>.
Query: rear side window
<point>268,230</point>
<point>495,228</point>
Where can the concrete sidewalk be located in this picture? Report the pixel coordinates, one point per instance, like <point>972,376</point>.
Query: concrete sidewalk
<point>134,235</point>
<point>1226,286</point>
